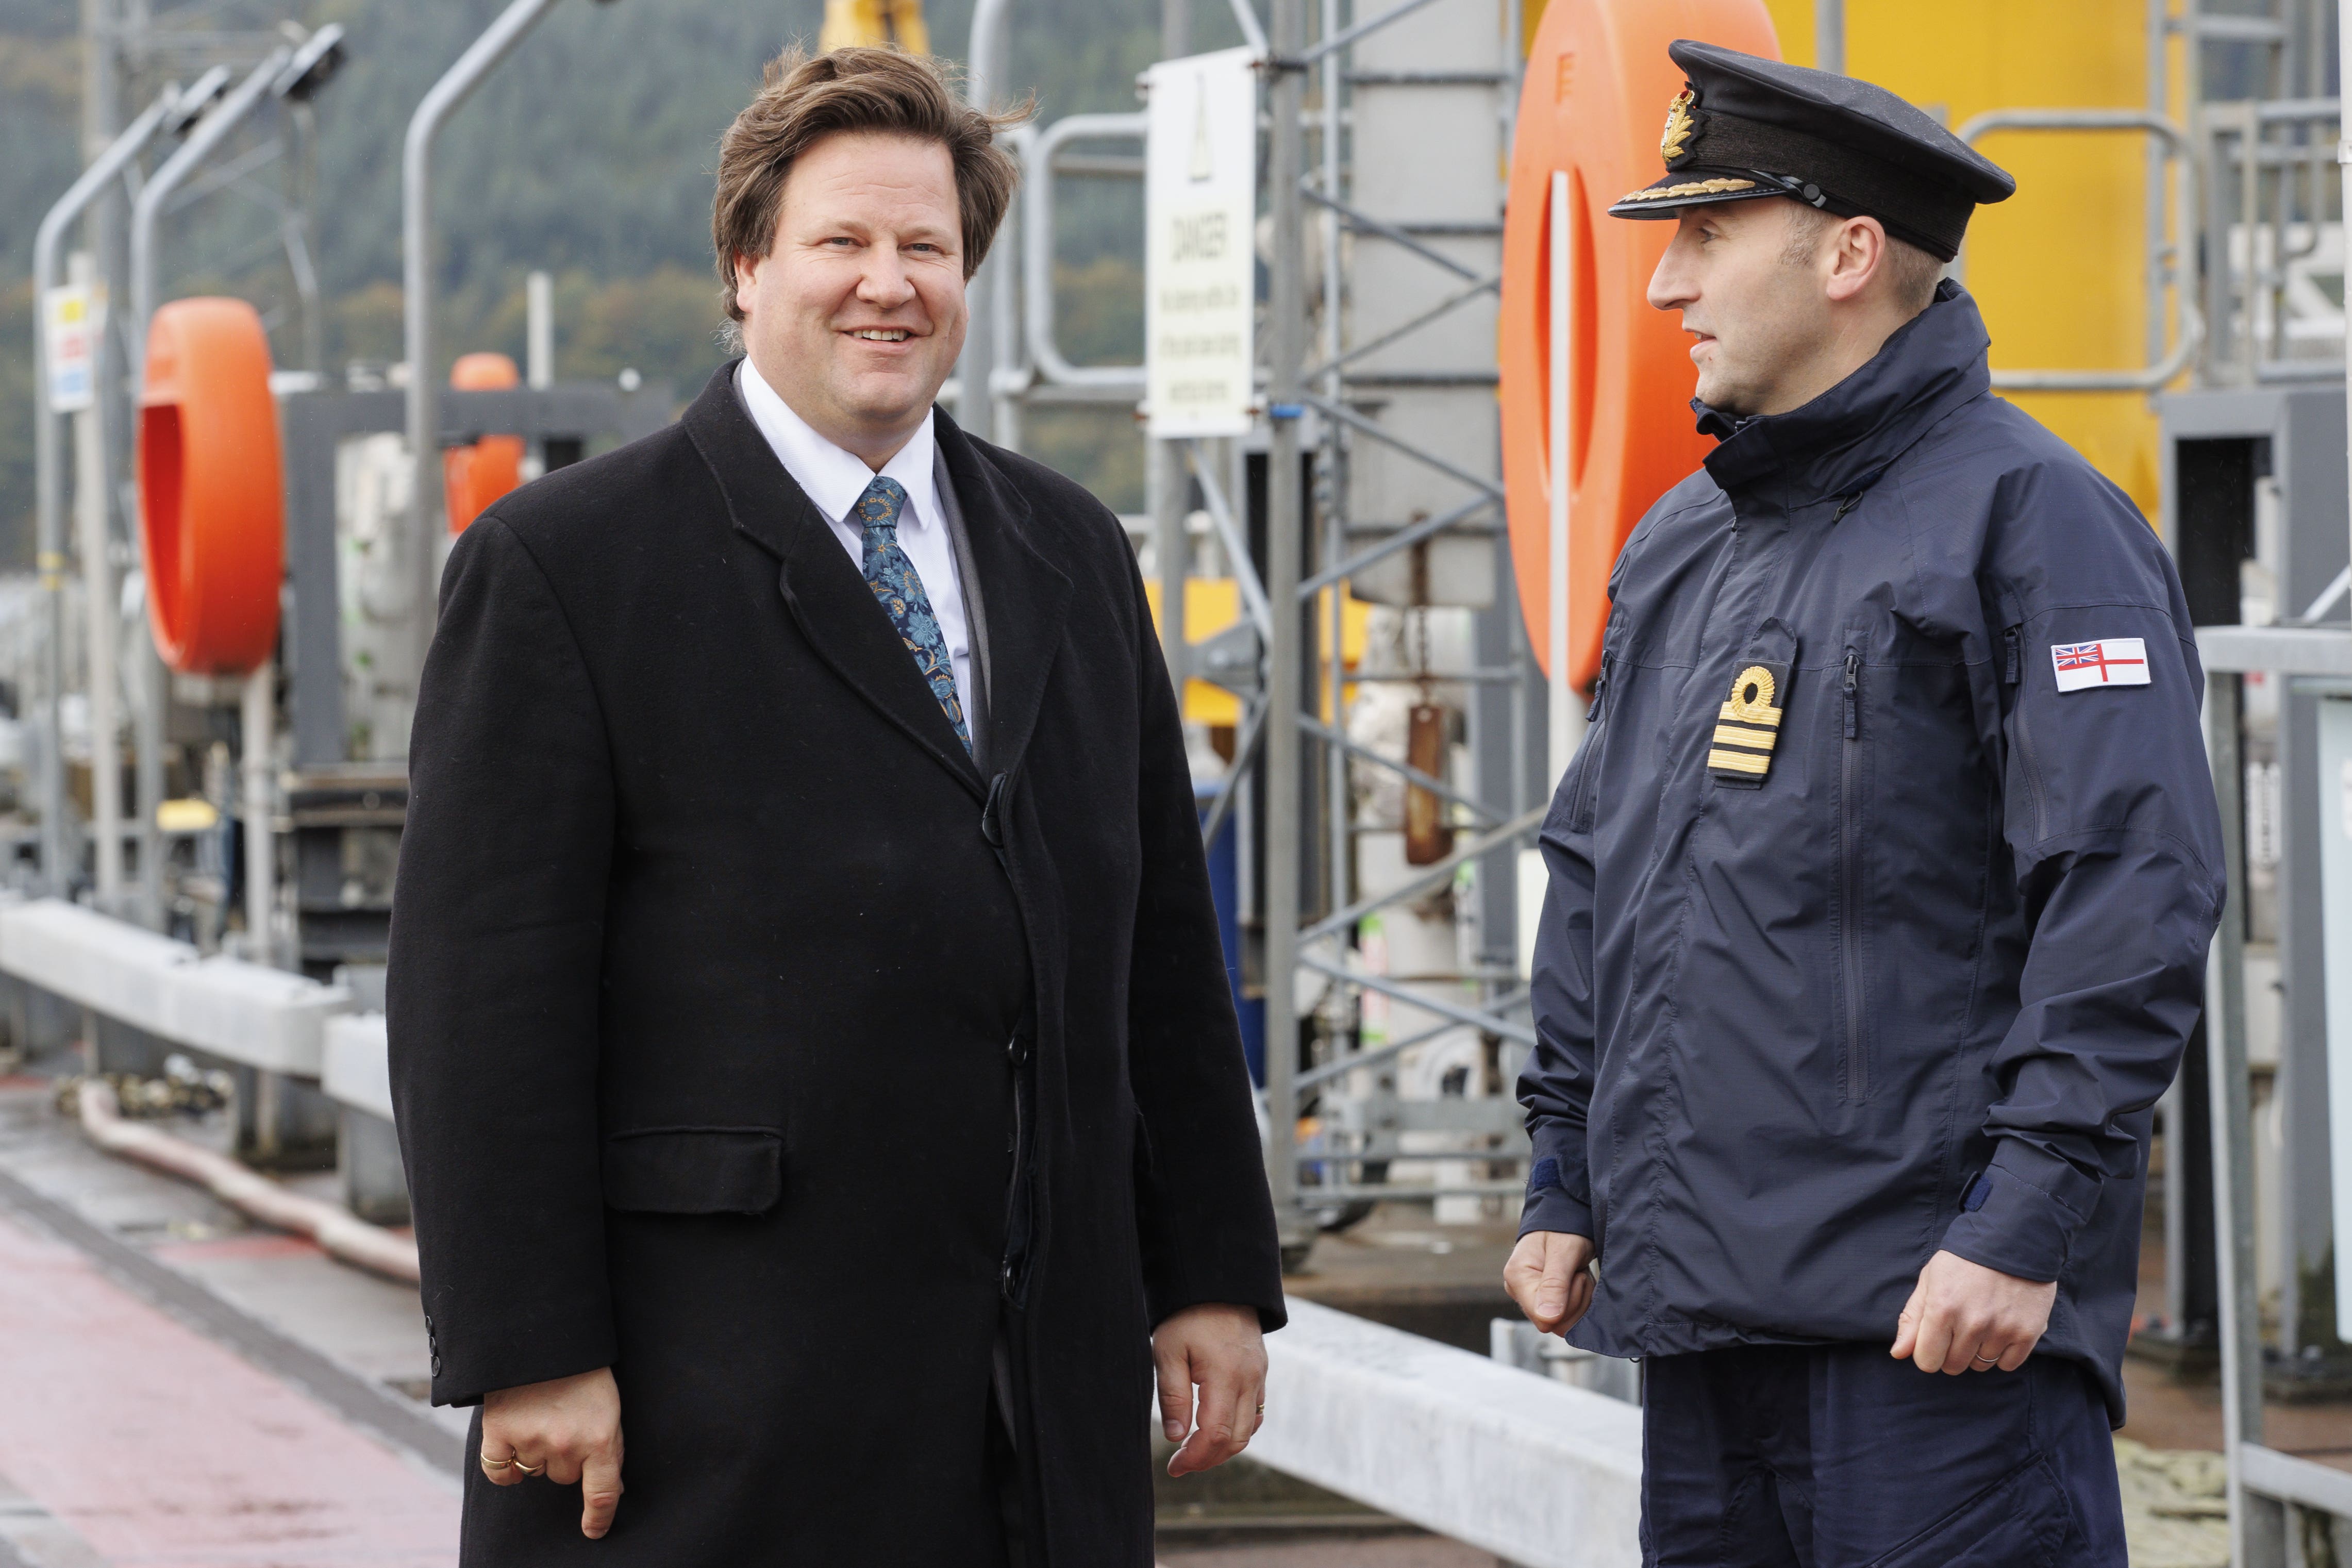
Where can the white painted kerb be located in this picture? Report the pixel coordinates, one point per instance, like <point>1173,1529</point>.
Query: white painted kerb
<point>261,1017</point>
<point>1534,1470</point>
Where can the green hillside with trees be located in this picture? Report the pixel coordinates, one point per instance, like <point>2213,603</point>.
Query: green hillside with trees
<point>588,155</point>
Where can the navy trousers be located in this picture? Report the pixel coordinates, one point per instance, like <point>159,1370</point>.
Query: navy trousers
<point>1839,1456</point>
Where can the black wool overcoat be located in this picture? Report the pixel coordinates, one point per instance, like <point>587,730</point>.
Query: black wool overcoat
<point>748,1039</point>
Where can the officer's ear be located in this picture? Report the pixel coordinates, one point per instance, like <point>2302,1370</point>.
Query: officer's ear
<point>1858,259</point>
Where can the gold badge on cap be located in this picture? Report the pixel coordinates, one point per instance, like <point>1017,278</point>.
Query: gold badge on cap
<point>1749,724</point>
<point>1679,126</point>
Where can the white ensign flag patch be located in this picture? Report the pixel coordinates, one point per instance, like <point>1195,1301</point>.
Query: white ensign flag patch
<point>2117,661</point>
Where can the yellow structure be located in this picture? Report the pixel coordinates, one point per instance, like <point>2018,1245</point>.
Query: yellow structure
<point>2060,269</point>
<point>875,23</point>
<point>1212,604</point>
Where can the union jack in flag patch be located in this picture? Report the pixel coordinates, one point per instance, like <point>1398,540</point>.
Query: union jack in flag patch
<point>2116,661</point>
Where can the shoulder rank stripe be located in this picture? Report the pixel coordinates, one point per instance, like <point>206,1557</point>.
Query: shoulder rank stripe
<point>1748,725</point>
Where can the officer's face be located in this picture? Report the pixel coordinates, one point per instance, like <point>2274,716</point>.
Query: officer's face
<point>856,314</point>
<point>1760,319</point>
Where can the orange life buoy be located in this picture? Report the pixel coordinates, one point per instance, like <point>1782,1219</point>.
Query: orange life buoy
<point>212,519</point>
<point>1591,105</point>
<point>474,476</point>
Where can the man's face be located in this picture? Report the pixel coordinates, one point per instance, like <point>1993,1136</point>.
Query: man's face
<point>856,314</point>
<point>1760,317</point>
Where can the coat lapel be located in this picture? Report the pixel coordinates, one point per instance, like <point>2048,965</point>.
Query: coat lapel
<point>835,610</point>
<point>1025,591</point>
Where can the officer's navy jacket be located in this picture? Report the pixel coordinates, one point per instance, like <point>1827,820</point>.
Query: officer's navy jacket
<point>1881,883</point>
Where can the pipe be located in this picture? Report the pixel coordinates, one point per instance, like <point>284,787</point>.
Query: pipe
<point>338,1234</point>
<point>1561,718</point>
<point>49,541</point>
<point>154,685</point>
<point>976,409</point>
<point>441,101</point>
<point>258,747</point>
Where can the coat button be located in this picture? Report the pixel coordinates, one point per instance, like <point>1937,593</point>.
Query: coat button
<point>1016,1050</point>
<point>436,1366</point>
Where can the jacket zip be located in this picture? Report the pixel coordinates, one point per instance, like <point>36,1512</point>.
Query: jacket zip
<point>1857,1065</point>
<point>2015,669</point>
<point>1588,780</point>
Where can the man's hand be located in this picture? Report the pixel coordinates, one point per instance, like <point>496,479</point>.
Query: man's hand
<point>1963,1316</point>
<point>1220,1349</point>
<point>1551,1277</point>
<point>568,1430</point>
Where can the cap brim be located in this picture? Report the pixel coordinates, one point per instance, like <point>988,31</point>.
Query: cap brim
<point>1699,187</point>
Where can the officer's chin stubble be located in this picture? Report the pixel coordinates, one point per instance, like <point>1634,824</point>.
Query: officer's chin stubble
<point>1782,303</point>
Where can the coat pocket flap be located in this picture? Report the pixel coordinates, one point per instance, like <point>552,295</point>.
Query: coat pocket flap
<point>695,1169</point>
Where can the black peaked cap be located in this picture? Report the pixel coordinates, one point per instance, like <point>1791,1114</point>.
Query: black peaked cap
<point>1745,127</point>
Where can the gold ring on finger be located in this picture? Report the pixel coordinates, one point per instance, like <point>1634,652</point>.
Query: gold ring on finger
<point>1261,1409</point>
<point>526,1469</point>
<point>490,1464</point>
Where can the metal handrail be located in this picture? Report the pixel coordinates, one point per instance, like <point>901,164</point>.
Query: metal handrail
<point>49,559</point>
<point>440,101</point>
<point>2190,324</point>
<point>1037,249</point>
<point>146,212</point>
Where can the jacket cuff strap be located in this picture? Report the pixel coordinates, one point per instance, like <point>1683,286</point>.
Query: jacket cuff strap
<point>2021,1217</point>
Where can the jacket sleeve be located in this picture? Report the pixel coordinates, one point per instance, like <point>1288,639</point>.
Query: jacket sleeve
<point>497,940</point>
<point>2107,802</point>
<point>1556,1085</point>
<point>1201,1205</point>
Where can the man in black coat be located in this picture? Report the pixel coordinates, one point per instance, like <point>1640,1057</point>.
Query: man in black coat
<point>809,1033</point>
<point>1880,890</point>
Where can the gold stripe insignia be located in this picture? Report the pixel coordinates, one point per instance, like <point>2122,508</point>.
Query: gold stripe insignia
<point>1689,188</point>
<point>1748,725</point>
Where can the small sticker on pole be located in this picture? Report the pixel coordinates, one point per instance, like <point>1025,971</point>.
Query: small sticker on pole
<point>72,317</point>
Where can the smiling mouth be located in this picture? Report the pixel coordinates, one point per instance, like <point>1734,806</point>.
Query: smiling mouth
<point>882,335</point>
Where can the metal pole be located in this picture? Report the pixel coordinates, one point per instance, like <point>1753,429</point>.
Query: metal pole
<point>539,330</point>
<point>1331,480</point>
<point>257,743</point>
<point>1829,35</point>
<point>153,686</point>
<point>49,529</point>
<point>1171,482</point>
<point>1561,726</point>
<point>441,101</point>
<point>2233,1129</point>
<point>101,629</point>
<point>976,409</point>
<point>1285,321</point>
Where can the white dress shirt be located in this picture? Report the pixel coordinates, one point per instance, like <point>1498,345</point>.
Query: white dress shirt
<point>835,479</point>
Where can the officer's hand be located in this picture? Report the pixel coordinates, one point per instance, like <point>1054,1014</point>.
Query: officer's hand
<point>1220,1349</point>
<point>1963,1316</point>
<point>1551,1277</point>
<point>569,1430</point>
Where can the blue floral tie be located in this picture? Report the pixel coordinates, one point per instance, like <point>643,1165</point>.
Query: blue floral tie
<point>892,577</point>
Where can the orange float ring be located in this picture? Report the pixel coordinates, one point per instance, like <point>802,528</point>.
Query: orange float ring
<point>1591,105</point>
<point>473,476</point>
<point>212,517</point>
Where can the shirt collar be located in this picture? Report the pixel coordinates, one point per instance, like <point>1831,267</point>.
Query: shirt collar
<point>833,477</point>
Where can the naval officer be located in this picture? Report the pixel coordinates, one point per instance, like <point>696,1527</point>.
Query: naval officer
<point>813,1049</point>
<point>1880,889</point>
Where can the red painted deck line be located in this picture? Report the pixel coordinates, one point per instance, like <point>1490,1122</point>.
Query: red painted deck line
<point>263,1244</point>
<point>162,1449</point>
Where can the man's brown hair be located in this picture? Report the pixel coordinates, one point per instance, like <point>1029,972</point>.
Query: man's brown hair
<point>806,99</point>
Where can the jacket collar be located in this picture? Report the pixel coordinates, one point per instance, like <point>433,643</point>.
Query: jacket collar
<point>837,611</point>
<point>1840,442</point>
